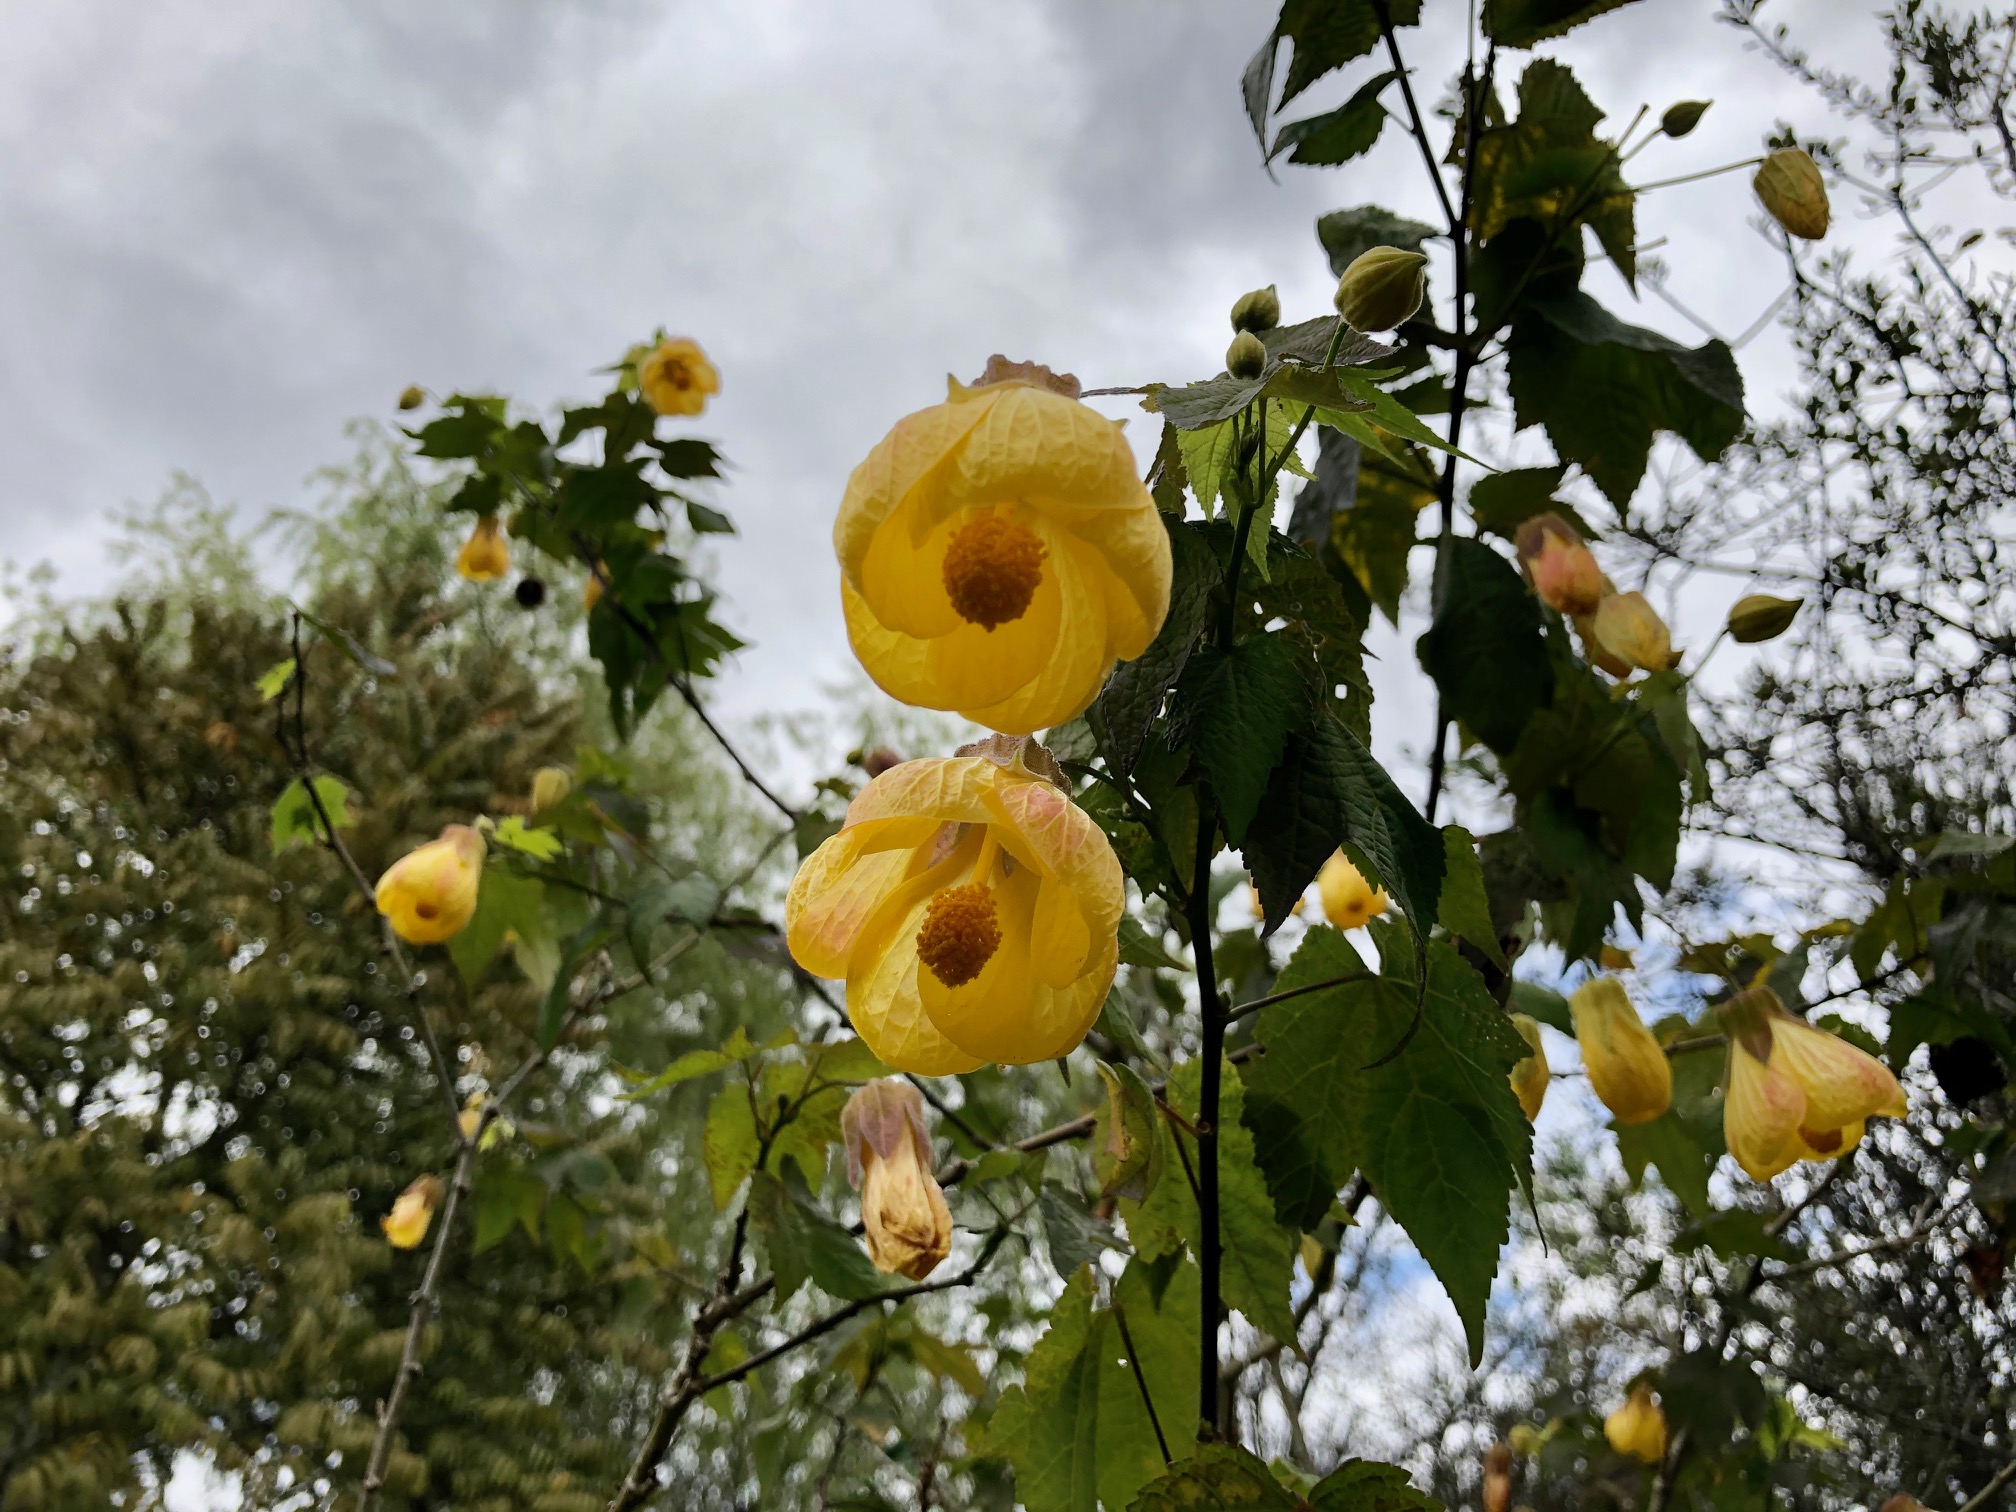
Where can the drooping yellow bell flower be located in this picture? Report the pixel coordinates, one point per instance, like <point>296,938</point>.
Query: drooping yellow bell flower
<point>1796,1092</point>
<point>486,555</point>
<point>676,378</point>
<point>903,1211</point>
<point>1638,1428</point>
<point>1348,899</point>
<point>973,908</point>
<point>998,555</point>
<point>1627,1069</point>
<point>429,894</point>
<point>1531,1077</point>
<point>406,1225</point>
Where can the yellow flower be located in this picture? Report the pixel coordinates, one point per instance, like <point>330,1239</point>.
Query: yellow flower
<point>429,894</point>
<point>486,555</point>
<point>406,1225</point>
<point>1791,188</point>
<point>1629,628</point>
<point>1796,1092</point>
<point>676,377</point>
<point>1626,1066</point>
<point>470,1120</point>
<point>1638,1428</point>
<point>1561,568</point>
<point>903,1211</point>
<point>1531,1076</point>
<point>1348,899</point>
<point>998,555</point>
<point>550,787</point>
<point>972,907</point>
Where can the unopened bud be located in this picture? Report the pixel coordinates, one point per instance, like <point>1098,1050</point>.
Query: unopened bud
<point>1246,357</point>
<point>1258,311</point>
<point>1760,617</point>
<point>550,787</point>
<point>1348,899</point>
<point>1684,117</point>
<point>1382,288</point>
<point>406,1225</point>
<point>1498,1478</point>
<point>470,1120</point>
<point>1791,188</point>
<point>1638,1428</point>
<point>221,737</point>
<point>1903,1501</point>
<point>1627,1068</point>
<point>903,1211</point>
<point>412,397</point>
<point>1561,569</point>
<point>1526,1440</point>
<point>1530,1078</point>
<point>879,760</point>
<point>1629,628</point>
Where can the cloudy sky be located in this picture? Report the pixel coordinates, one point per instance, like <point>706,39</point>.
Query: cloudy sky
<point>232,226</point>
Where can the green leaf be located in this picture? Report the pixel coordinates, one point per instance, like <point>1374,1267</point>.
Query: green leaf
<point>1364,1486</point>
<point>729,1142</point>
<point>507,1193</point>
<point>1542,1004</point>
<point>1464,908</point>
<point>294,816</point>
<point>1236,710</point>
<point>695,1064</point>
<point>804,1244</point>
<point>505,904</point>
<point>1074,1237</point>
<point>1485,650</point>
<point>274,680</point>
<point>1327,34</point>
<point>347,643</point>
<point>1348,234</point>
<point>539,844</point>
<point>1133,695</point>
<point>1159,1306</point>
<point>1364,508</point>
<point>1124,1146</point>
<point>1216,1476</point>
<point>584,942</point>
<point>1521,23</point>
<point>1048,1427</point>
<point>1504,501</point>
<point>1603,389</point>
<point>688,457</point>
<point>1212,454</point>
<point>1436,1129</point>
<point>1140,948</point>
<point>1320,616</point>
<point>1336,136</point>
<point>1666,1143</point>
<point>1390,413</point>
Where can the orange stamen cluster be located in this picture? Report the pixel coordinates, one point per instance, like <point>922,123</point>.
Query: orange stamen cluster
<point>960,933</point>
<point>992,568</point>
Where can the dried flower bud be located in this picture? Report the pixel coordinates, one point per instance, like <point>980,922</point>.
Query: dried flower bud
<point>909,1227</point>
<point>406,1225</point>
<point>412,397</point>
<point>1498,1478</point>
<point>1382,288</point>
<point>1759,617</point>
<point>222,737</point>
<point>1903,1501</point>
<point>550,787</point>
<point>1258,311</point>
<point>1638,1428</point>
<point>1561,569</point>
<point>1627,1068</point>
<point>1246,357</point>
<point>1791,188</point>
<point>470,1119</point>
<point>1629,628</point>
<point>1531,1077</point>
<point>879,760</point>
<point>1684,117</point>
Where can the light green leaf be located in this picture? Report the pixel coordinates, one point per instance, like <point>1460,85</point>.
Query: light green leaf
<point>1217,1477</point>
<point>1048,1427</point>
<point>506,905</point>
<point>697,1063</point>
<point>512,834</point>
<point>274,680</point>
<point>507,1193</point>
<point>1364,1486</point>
<point>294,817</point>
<point>1464,908</point>
<point>1391,414</point>
<point>1124,1145</point>
<point>728,1142</point>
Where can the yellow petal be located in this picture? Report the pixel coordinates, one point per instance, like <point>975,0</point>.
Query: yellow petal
<point>1761,1113</point>
<point>1842,1084</point>
<point>429,895</point>
<point>1626,1066</point>
<point>883,1005</point>
<point>1062,841</point>
<point>1059,938</point>
<point>939,789</point>
<point>911,454</point>
<point>834,893</point>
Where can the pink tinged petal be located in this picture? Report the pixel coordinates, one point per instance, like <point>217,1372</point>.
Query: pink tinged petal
<point>905,460</point>
<point>1065,843</point>
<point>942,789</point>
<point>1842,1084</point>
<point>1761,1114</point>
<point>833,896</point>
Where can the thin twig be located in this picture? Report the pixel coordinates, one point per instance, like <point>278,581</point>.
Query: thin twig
<point>1978,1502</point>
<point>1140,1380</point>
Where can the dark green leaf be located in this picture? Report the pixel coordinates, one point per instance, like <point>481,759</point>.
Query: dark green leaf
<point>1464,909</point>
<point>1504,501</point>
<point>1348,234</point>
<point>1073,1235</point>
<point>1541,1004</point>
<point>1338,135</point>
<point>1236,710</point>
<point>1521,23</point>
<point>1327,34</point>
<point>687,457</point>
<point>1215,1477</point>
<point>1485,649</point>
<point>804,1244</point>
<point>1665,1142</point>
<point>593,498</point>
<point>1133,695</point>
<point>1364,1486</point>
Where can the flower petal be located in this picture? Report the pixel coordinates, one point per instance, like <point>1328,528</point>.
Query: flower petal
<point>835,892</point>
<point>1842,1084</point>
<point>1761,1114</point>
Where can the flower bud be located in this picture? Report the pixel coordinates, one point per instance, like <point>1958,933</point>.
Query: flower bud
<point>1498,1478</point>
<point>1903,1501</point>
<point>1382,288</point>
<point>591,591</point>
<point>486,555</point>
<point>1792,190</point>
<point>429,894</point>
<point>222,737</point>
<point>1246,357</point>
<point>1531,1076</point>
<point>1759,617</point>
<point>1629,628</point>
<point>1526,1440</point>
<point>1684,117</point>
<point>412,397</point>
<point>550,787</point>
<point>879,760</point>
<point>1258,311</point>
<point>406,1225</point>
<point>1561,569</point>
<point>1348,899</point>
<point>1638,1428</point>
<point>1627,1069</point>
<point>909,1227</point>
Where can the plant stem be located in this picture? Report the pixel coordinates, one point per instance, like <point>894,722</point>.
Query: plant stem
<point>1210,1246</point>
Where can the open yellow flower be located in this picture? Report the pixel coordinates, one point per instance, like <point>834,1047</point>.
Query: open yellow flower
<point>429,894</point>
<point>1627,1069</point>
<point>973,908</point>
<point>1348,899</point>
<point>1796,1092</point>
<point>486,555</point>
<point>998,555</point>
<point>406,1225</point>
<point>1638,1428</point>
<point>903,1211</point>
<point>1629,628</point>
<point>1562,570</point>
<point>676,377</point>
